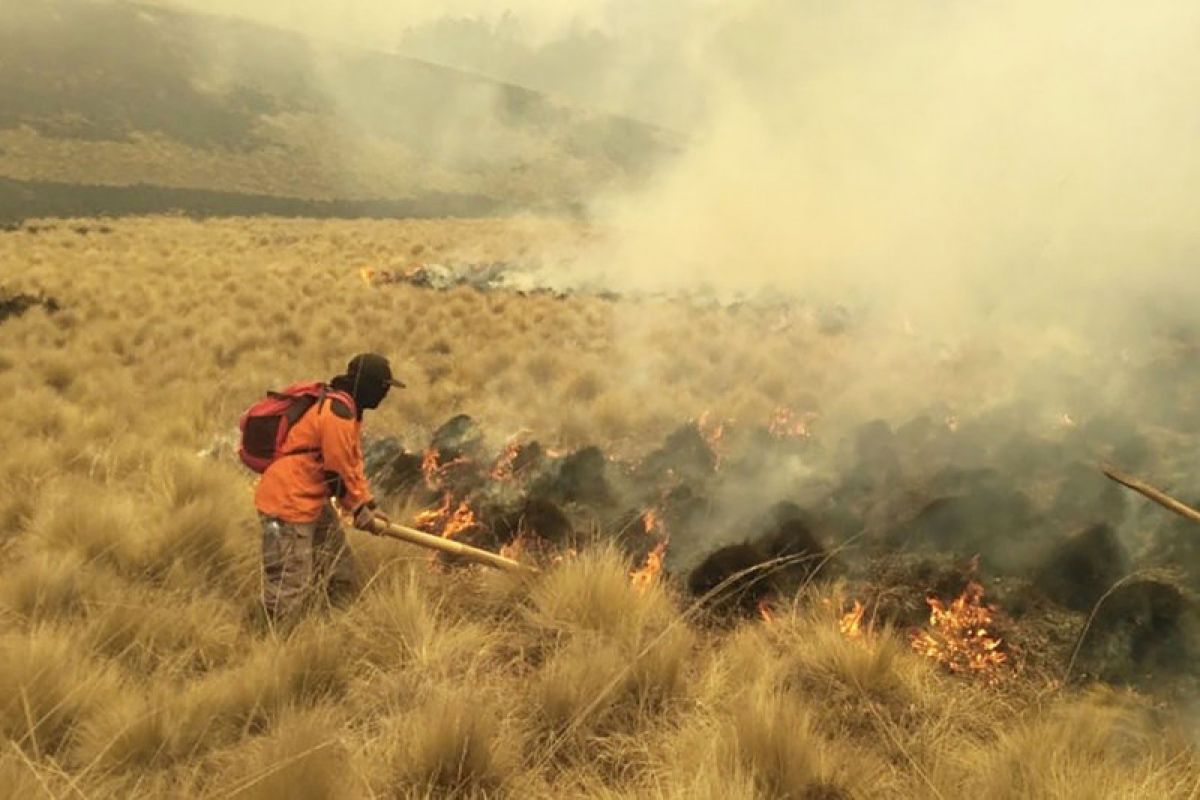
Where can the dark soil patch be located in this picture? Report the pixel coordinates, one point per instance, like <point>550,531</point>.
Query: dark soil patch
<point>16,304</point>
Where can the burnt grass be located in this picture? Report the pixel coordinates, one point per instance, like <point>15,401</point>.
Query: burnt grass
<point>908,514</point>
<point>14,304</point>
<point>29,200</point>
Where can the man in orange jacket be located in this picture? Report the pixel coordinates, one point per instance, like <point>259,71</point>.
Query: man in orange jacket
<point>304,548</point>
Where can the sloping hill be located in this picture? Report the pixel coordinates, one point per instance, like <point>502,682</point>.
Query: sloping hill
<point>115,94</point>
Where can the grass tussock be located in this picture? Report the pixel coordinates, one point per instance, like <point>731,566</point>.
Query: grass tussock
<point>51,587</point>
<point>1097,746</point>
<point>82,516</point>
<point>774,737</point>
<point>133,662</point>
<point>146,632</point>
<point>303,758</point>
<point>48,687</point>
<point>455,744</point>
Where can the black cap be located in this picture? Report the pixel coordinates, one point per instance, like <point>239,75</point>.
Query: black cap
<point>373,367</point>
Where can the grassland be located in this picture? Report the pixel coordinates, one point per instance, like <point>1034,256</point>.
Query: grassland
<point>132,661</point>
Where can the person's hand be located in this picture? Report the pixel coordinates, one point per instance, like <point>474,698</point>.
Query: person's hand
<point>369,519</point>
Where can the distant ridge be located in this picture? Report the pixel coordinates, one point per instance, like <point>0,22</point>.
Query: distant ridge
<point>234,110</point>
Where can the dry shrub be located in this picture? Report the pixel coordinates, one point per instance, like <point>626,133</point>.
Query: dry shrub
<point>875,693</point>
<point>581,685</point>
<point>491,594</point>
<point>199,527</point>
<point>208,538</point>
<point>455,745</point>
<point>52,586</point>
<point>57,372</point>
<point>1096,746</point>
<point>405,620</point>
<point>302,759</point>
<point>393,621</point>
<point>47,687</point>
<point>308,668</point>
<point>697,764</point>
<point>877,667</point>
<point>81,515</point>
<point>592,592</point>
<point>584,385</point>
<point>22,778</point>
<point>773,736</point>
<point>132,732</point>
<point>760,732</point>
<point>147,631</point>
<point>179,478</point>
<point>544,367</point>
<point>311,665</point>
<point>43,414</point>
<point>24,473</point>
<point>406,647</point>
<point>616,653</point>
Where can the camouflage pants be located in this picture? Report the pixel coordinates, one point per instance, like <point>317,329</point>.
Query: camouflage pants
<point>304,563</point>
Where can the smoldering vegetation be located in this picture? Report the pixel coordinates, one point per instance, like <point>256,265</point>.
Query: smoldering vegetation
<point>741,517</point>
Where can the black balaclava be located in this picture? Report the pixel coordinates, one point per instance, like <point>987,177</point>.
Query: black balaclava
<point>367,379</point>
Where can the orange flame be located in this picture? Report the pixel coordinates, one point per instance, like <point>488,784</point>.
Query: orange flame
<point>444,522</point>
<point>434,470</point>
<point>648,573</point>
<point>367,274</point>
<point>764,610</point>
<point>462,518</point>
<point>564,555</point>
<point>430,467</point>
<point>516,548</point>
<point>652,522</point>
<point>713,433</point>
<point>850,623</point>
<point>957,636</point>
<point>787,424</point>
<point>432,520</point>
<point>502,469</point>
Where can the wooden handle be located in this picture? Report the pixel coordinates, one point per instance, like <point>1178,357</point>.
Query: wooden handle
<point>428,540</point>
<point>1162,498</point>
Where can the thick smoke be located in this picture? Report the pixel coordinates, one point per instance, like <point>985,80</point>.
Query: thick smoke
<point>961,175</point>
<point>1010,185</point>
<point>943,160</point>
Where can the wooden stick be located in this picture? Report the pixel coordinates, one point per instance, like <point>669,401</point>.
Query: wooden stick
<point>478,555</point>
<point>1162,498</point>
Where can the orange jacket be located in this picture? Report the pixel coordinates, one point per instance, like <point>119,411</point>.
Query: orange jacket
<point>297,487</point>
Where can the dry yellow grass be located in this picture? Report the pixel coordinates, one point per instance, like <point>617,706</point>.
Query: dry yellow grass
<point>132,663</point>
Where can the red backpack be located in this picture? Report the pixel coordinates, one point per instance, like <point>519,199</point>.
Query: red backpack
<point>265,425</point>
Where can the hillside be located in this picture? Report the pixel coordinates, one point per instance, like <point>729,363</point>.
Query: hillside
<point>214,105</point>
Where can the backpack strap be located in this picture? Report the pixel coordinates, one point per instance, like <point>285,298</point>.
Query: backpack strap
<point>304,450</point>
<point>339,395</point>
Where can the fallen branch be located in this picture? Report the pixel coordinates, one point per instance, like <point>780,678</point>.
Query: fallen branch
<point>1162,498</point>
<point>478,555</point>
